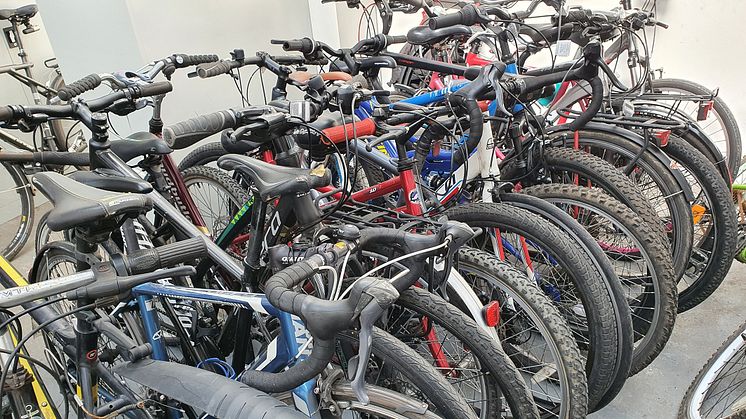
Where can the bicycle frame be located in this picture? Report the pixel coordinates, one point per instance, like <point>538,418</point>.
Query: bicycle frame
<point>289,347</point>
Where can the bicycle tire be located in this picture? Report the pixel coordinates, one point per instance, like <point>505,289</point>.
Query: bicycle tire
<point>517,289</point>
<point>722,111</point>
<point>202,155</point>
<point>609,349</point>
<point>664,185</point>
<point>399,357</point>
<point>721,241</point>
<point>653,319</point>
<point>736,339</point>
<point>503,377</point>
<point>22,224</point>
<point>233,195</point>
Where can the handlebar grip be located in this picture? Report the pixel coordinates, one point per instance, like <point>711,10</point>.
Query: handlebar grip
<point>597,98</point>
<point>304,45</point>
<point>62,158</point>
<point>6,112</point>
<point>76,88</point>
<point>214,69</point>
<point>341,133</point>
<point>148,260</point>
<point>468,15</point>
<point>185,60</point>
<point>577,16</point>
<point>395,39</point>
<point>189,132</point>
<point>151,89</point>
<point>321,355</point>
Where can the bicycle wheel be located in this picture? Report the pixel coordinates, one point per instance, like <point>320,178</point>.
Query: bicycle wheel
<point>395,366</point>
<point>202,156</point>
<point>217,196</point>
<point>533,333</point>
<point>452,342</point>
<point>595,309</point>
<point>719,389</point>
<point>715,225</point>
<point>18,210</point>
<point>639,256</point>
<point>638,194</point>
<point>44,235</point>
<point>720,125</point>
<point>654,181</point>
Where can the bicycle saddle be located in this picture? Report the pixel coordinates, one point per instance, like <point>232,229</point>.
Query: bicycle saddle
<point>111,181</point>
<point>423,35</point>
<point>139,144</point>
<point>76,204</point>
<point>273,181</point>
<point>21,12</point>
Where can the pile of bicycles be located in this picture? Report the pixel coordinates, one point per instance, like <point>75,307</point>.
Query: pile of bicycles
<point>477,239</point>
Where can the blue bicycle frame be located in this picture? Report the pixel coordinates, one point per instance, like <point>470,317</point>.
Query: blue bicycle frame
<point>285,350</point>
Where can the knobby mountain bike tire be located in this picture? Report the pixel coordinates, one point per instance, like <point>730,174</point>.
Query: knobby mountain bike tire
<point>653,182</point>
<point>716,225</point>
<point>217,196</point>
<point>532,332</point>
<point>202,155</point>
<point>399,367</point>
<point>640,256</point>
<point>589,245</point>
<point>449,330</point>
<point>602,327</point>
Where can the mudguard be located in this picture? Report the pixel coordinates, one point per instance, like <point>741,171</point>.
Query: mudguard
<point>206,391</point>
<point>637,139</point>
<point>693,135</point>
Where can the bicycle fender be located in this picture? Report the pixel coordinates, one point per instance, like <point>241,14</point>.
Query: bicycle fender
<point>635,138</point>
<point>212,393</point>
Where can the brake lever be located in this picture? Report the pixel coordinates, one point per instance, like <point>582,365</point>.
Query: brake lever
<point>385,137</point>
<point>494,80</point>
<point>610,73</point>
<point>381,294</point>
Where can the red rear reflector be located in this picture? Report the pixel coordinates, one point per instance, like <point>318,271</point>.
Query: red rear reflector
<point>704,110</point>
<point>491,313</point>
<point>663,136</point>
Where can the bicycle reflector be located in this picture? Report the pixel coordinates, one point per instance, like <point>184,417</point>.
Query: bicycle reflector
<point>662,136</point>
<point>491,313</point>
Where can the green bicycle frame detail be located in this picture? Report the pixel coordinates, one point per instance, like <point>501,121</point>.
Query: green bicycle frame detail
<point>238,219</point>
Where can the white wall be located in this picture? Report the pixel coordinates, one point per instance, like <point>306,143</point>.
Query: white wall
<point>126,34</point>
<point>95,36</point>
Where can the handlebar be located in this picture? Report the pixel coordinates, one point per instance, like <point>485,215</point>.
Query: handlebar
<point>324,319</point>
<point>36,114</point>
<point>103,281</point>
<point>147,260</point>
<point>468,15</point>
<point>466,98</point>
<point>187,133</point>
<point>77,88</point>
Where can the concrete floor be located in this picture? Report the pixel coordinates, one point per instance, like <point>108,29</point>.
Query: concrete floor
<point>656,391</point>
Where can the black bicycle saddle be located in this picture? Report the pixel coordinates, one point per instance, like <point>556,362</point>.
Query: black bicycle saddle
<point>271,180</point>
<point>76,204</point>
<point>26,12</point>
